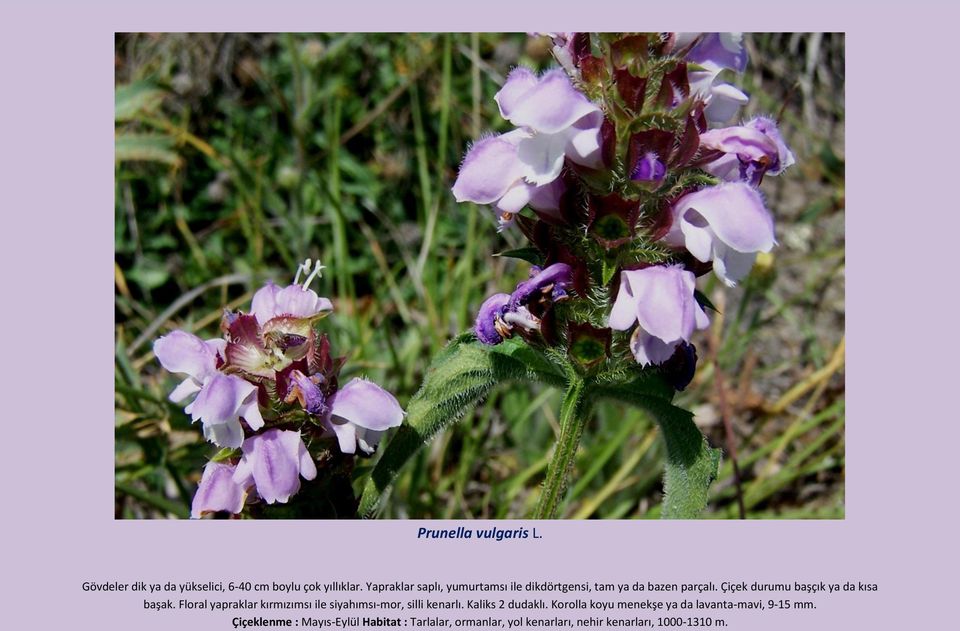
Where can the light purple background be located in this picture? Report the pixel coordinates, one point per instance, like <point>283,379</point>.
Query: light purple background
<point>56,165</point>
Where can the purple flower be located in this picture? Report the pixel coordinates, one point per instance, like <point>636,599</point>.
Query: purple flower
<point>306,390</point>
<point>726,50</point>
<point>500,313</point>
<point>727,224</point>
<point>360,412</point>
<point>564,50</point>
<point>559,119</point>
<point>723,100</point>
<point>661,301</point>
<point>493,173</point>
<point>489,326</point>
<point>221,399</point>
<point>747,151</point>
<point>221,403</point>
<point>185,353</point>
<point>652,152</point>
<point>551,282</point>
<point>275,461</point>
<point>555,121</point>
<point>714,53</point>
<point>278,330</point>
<point>218,491</point>
<point>649,168</point>
<point>293,301</point>
<point>768,127</point>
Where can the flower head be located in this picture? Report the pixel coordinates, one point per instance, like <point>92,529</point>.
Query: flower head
<point>272,356</point>
<point>295,301</point>
<point>275,461</point>
<point>489,327</point>
<point>661,301</point>
<point>493,173</point>
<point>218,491</point>
<point>727,224</point>
<point>221,403</point>
<point>723,100</point>
<point>279,328</point>
<point>548,284</point>
<point>746,152</point>
<point>726,50</point>
<point>221,399</point>
<point>500,314</point>
<point>554,122</point>
<point>360,413</point>
<point>185,353</point>
<point>713,53</point>
<point>307,391</point>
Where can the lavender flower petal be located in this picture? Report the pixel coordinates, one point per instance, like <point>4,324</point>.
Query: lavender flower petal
<point>542,156</point>
<point>297,302</point>
<point>365,404</point>
<point>768,127</point>
<point>558,276</point>
<point>749,150</point>
<point>550,105</point>
<point>275,461</point>
<point>648,349</point>
<point>218,491</point>
<point>661,301</point>
<point>519,82</point>
<point>723,49</point>
<point>292,301</point>
<point>722,99</point>
<point>223,399</point>
<point>727,224</point>
<point>264,303</point>
<point>360,413</point>
<point>489,169</point>
<point>584,144</point>
<point>185,353</point>
<point>226,434</point>
<point>485,326</point>
<point>308,392</point>
<point>649,168</point>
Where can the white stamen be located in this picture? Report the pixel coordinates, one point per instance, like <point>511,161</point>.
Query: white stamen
<point>303,267</point>
<point>523,318</point>
<point>316,273</point>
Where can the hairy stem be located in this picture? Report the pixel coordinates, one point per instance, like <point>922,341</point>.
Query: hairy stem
<point>573,416</point>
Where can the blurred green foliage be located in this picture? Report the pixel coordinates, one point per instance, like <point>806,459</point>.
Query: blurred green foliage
<point>240,155</point>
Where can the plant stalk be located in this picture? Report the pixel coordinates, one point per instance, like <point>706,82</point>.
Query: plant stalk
<point>573,416</point>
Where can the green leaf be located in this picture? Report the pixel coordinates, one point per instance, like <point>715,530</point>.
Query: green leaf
<point>546,371</point>
<point>226,454</point>
<point>145,148</point>
<point>691,463</point>
<point>654,120</point>
<point>703,301</point>
<point>610,266</point>
<point>529,254</point>
<point>135,98</point>
<point>460,375</point>
<point>649,383</point>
